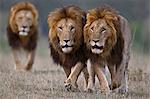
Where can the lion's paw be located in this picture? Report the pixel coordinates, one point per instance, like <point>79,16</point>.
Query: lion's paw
<point>105,91</point>
<point>70,87</point>
<point>121,89</point>
<point>89,90</point>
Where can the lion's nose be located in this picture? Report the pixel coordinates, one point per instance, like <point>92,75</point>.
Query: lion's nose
<point>24,26</point>
<point>66,41</point>
<point>95,41</point>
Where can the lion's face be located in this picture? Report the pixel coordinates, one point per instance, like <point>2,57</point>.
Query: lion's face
<point>23,18</point>
<point>66,29</point>
<point>24,21</point>
<point>100,36</point>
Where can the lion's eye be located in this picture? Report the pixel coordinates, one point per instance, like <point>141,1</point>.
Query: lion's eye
<point>19,18</point>
<point>60,28</point>
<point>103,30</point>
<point>29,19</point>
<point>92,29</point>
<point>72,28</point>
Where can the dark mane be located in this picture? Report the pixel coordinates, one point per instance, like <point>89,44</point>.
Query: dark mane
<point>15,42</point>
<point>66,12</point>
<point>116,52</point>
<point>68,60</point>
<point>77,15</point>
<point>114,56</point>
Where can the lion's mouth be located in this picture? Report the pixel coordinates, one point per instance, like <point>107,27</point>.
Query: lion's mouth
<point>23,31</point>
<point>66,46</point>
<point>97,49</point>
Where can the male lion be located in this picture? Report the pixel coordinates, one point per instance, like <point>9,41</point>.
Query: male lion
<point>22,33</point>
<point>108,40</point>
<point>66,41</point>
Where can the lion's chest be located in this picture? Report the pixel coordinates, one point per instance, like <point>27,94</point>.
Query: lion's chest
<point>69,61</point>
<point>24,41</point>
<point>64,60</point>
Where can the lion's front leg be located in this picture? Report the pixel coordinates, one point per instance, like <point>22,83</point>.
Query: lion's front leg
<point>102,79</point>
<point>16,56</point>
<point>30,60</point>
<point>67,71</point>
<point>86,77</point>
<point>91,80</point>
<point>70,83</point>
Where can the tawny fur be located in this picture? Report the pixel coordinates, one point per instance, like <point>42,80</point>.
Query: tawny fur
<point>59,57</point>
<point>29,42</point>
<point>69,60</point>
<point>117,51</point>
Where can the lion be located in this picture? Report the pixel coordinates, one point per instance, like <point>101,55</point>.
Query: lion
<point>108,37</point>
<point>22,33</point>
<point>66,42</point>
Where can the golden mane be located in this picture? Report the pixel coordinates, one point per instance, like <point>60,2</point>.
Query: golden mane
<point>27,43</point>
<point>12,29</point>
<point>116,54</point>
<point>65,12</point>
<point>21,6</point>
<point>69,12</point>
<point>110,16</point>
<point>103,12</point>
<point>78,16</point>
<point>76,57</point>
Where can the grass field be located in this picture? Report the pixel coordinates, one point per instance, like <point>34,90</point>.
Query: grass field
<point>46,79</point>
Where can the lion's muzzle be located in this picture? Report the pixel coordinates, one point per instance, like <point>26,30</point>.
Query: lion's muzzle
<point>96,47</point>
<point>24,30</point>
<point>66,45</point>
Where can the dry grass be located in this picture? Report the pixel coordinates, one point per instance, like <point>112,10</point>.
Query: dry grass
<point>46,80</point>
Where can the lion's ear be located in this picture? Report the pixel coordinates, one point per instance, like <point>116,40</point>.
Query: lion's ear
<point>48,21</point>
<point>90,18</point>
<point>12,9</point>
<point>88,15</point>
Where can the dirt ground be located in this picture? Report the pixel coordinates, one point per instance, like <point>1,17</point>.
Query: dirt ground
<point>46,80</point>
